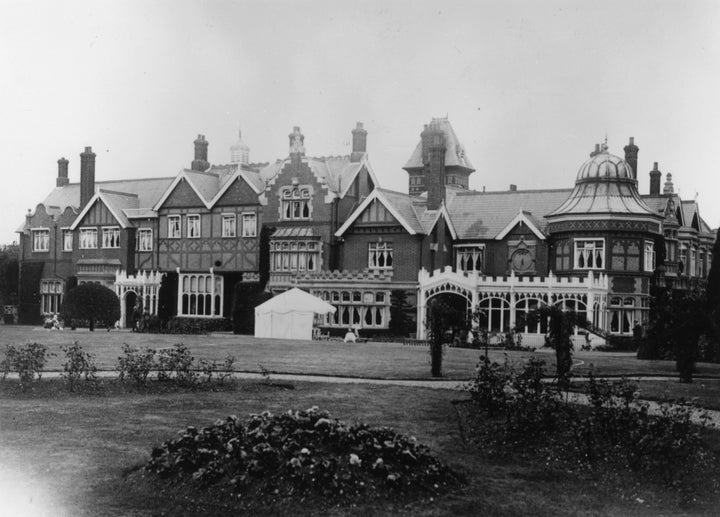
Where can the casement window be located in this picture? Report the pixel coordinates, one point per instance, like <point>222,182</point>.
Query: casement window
<point>200,295</point>
<point>249,225</point>
<point>228,226</point>
<point>40,240</point>
<point>51,292</point>
<point>88,238</point>
<point>67,240</point>
<point>469,258</point>
<point>193,226</point>
<point>683,259</point>
<point>589,253</point>
<point>295,203</point>
<point>111,237</point>
<point>174,227</point>
<point>649,256</point>
<point>562,256</point>
<point>380,255</point>
<point>145,239</point>
<point>693,258</point>
<point>294,256</point>
<point>359,309</point>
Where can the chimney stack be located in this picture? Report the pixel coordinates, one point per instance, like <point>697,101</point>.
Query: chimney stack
<point>655,176</point>
<point>200,162</point>
<point>297,144</point>
<point>62,177</point>
<point>631,152</point>
<point>359,143</point>
<point>513,187</point>
<point>433,142</point>
<point>87,176</point>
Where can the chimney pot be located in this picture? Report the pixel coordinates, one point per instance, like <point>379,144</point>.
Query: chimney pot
<point>655,176</point>
<point>200,162</point>
<point>62,177</point>
<point>513,187</point>
<point>359,142</point>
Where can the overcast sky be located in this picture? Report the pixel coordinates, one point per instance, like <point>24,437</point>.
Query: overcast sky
<point>529,87</point>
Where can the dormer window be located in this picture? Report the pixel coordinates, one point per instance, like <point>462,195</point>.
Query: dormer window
<point>295,203</point>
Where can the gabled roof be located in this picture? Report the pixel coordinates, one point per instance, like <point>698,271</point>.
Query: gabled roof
<point>658,203</point>
<point>410,211</point>
<point>211,184</point>
<point>454,151</point>
<point>525,217</point>
<point>485,215</point>
<point>398,204</point>
<point>689,210</point>
<point>116,203</point>
<point>336,172</point>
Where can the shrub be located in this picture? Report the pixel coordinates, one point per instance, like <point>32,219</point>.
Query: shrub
<point>221,371</point>
<point>93,303</point>
<point>246,296</point>
<point>135,364</point>
<point>176,364</point>
<point>77,364</point>
<point>300,454</point>
<point>185,325</point>
<point>28,362</point>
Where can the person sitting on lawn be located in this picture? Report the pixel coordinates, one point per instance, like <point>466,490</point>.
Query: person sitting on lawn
<point>350,336</point>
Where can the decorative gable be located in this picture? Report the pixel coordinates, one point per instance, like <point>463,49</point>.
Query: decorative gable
<point>377,213</point>
<point>183,195</point>
<point>239,193</point>
<point>98,215</point>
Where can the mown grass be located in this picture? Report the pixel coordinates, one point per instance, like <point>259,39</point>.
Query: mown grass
<point>74,449</point>
<point>370,360</point>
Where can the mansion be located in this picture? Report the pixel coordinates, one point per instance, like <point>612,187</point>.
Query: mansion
<point>178,245</point>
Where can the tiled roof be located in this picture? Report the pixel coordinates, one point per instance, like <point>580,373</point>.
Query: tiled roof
<point>604,197</point>
<point>454,151</point>
<point>410,208</point>
<point>689,209</point>
<point>148,191</point>
<point>656,203</point>
<point>483,215</point>
<point>118,202</point>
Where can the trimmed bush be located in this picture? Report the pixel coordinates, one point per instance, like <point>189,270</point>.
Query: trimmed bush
<point>92,303</point>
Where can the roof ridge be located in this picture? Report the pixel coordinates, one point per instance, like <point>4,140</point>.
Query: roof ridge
<point>117,192</point>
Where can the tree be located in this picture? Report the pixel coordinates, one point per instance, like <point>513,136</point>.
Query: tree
<point>401,321</point>
<point>560,329</point>
<point>9,268</point>
<point>713,280</point>
<point>688,321</point>
<point>441,318</point>
<point>247,296</point>
<point>93,303</point>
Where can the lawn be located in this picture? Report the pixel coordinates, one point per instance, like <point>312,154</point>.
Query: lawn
<point>70,451</point>
<point>370,360</point>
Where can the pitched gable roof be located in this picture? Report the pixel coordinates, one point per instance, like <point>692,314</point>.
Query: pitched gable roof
<point>485,215</point>
<point>211,184</point>
<point>116,203</point>
<point>398,204</point>
<point>525,217</point>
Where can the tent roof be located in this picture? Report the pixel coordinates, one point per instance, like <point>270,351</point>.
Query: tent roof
<point>295,300</point>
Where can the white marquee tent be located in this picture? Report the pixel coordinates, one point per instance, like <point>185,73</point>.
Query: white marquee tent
<point>289,315</point>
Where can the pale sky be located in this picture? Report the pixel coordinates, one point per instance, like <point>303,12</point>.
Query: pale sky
<point>529,86</point>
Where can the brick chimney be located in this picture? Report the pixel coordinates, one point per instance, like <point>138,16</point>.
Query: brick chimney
<point>87,176</point>
<point>200,162</point>
<point>62,177</point>
<point>631,152</point>
<point>297,145</point>
<point>359,143</point>
<point>433,143</point>
<point>513,187</point>
<point>655,176</point>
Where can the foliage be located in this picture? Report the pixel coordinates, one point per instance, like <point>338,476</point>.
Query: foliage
<point>135,364</point>
<point>713,279</point>
<point>29,294</point>
<point>176,364</point>
<point>677,321</point>
<point>247,296</point>
<point>401,314</point>
<point>561,325</point>
<point>9,269</point>
<point>442,318</point>
<point>93,303</point>
<point>220,371</point>
<point>27,361</point>
<point>186,325</point>
<point>78,364</point>
<point>616,429</point>
<point>299,454</point>
<point>264,255</point>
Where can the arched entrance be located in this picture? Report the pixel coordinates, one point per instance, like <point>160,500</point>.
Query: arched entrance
<point>455,312</point>
<point>129,306</point>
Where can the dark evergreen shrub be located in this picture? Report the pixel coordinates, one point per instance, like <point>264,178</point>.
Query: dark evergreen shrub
<point>402,321</point>
<point>246,297</point>
<point>92,303</point>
